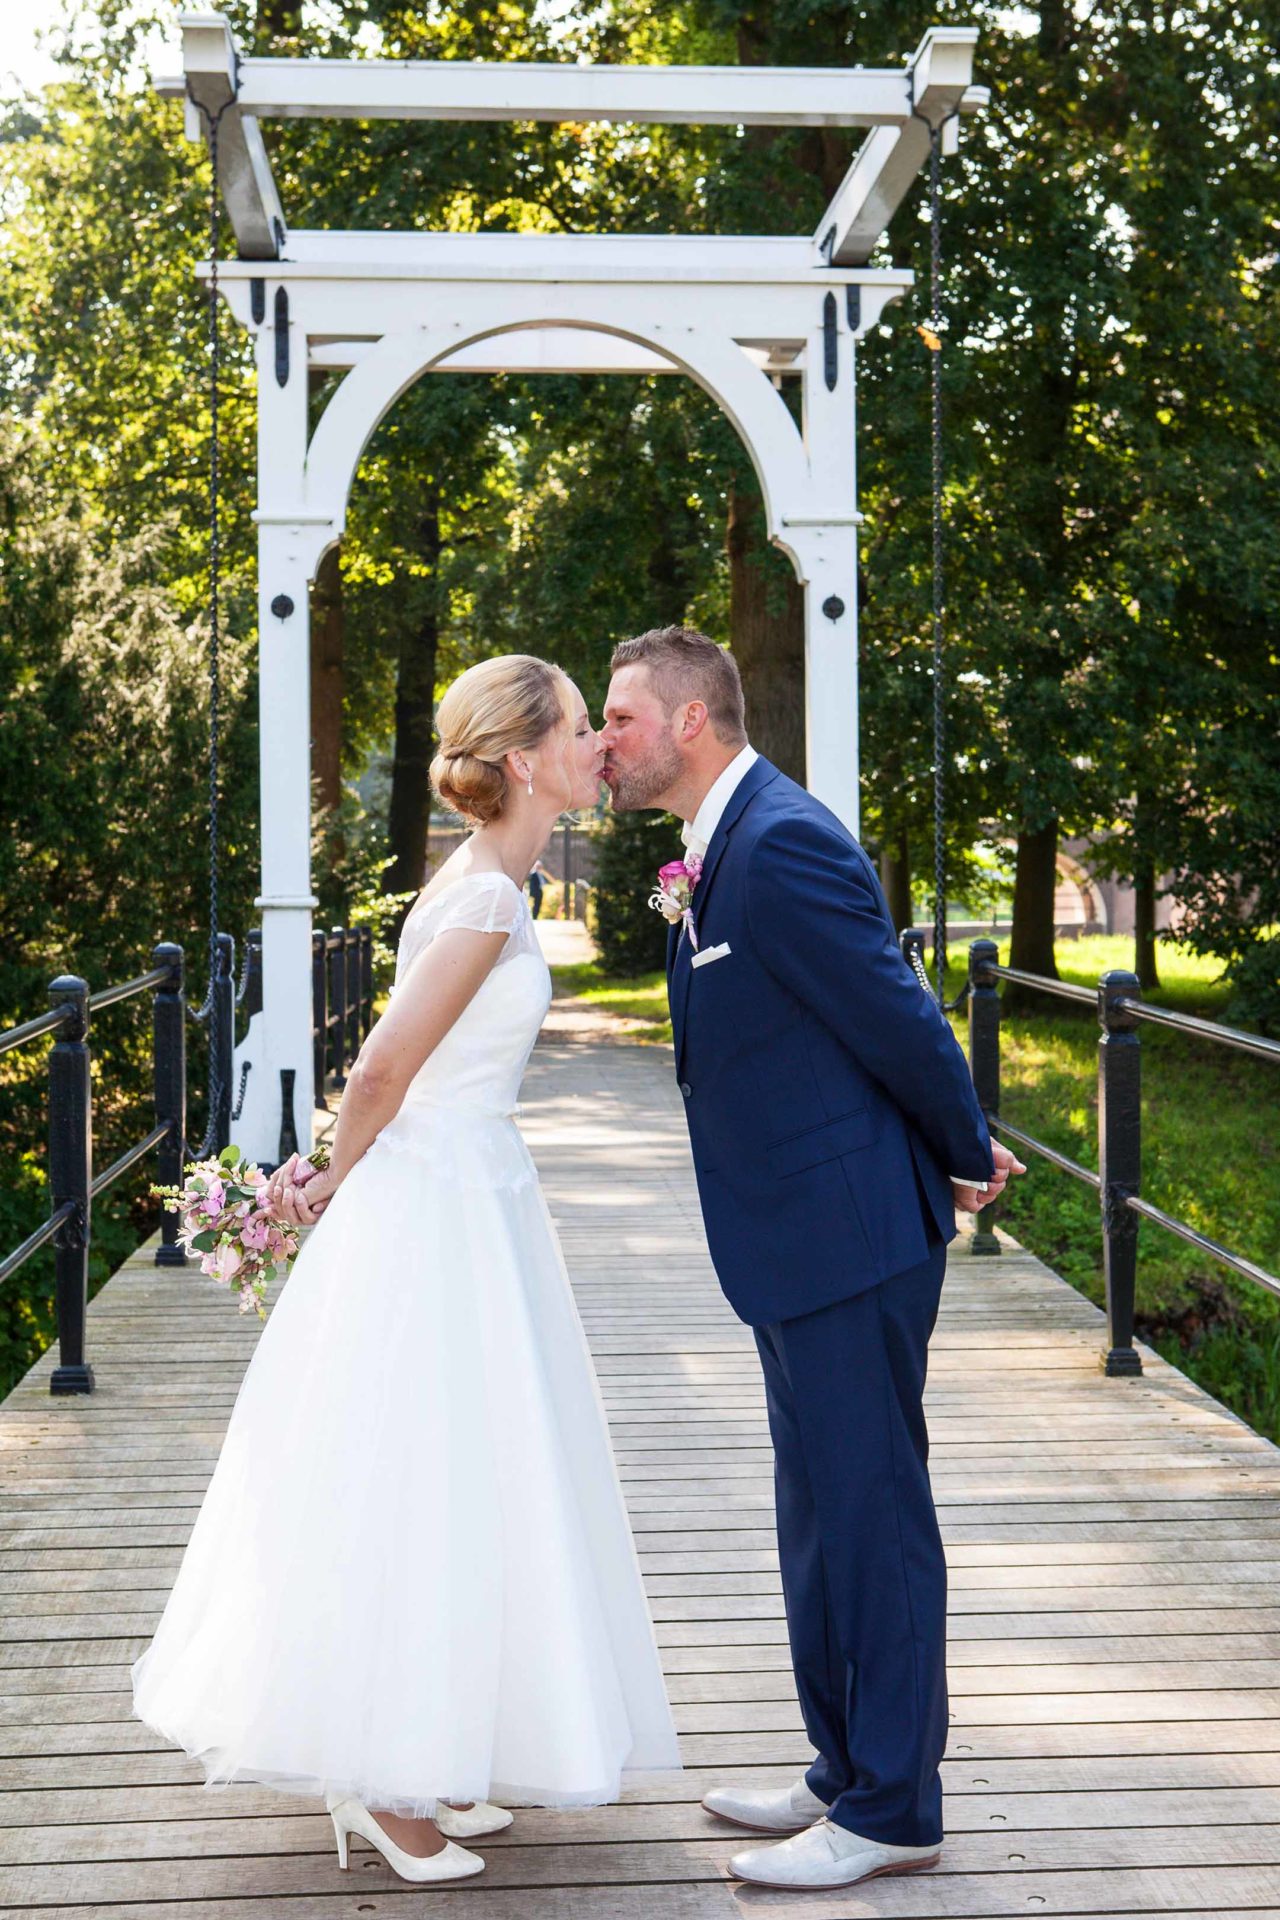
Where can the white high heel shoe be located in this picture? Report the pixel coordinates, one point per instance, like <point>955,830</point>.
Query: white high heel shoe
<point>451,1863</point>
<point>470,1823</point>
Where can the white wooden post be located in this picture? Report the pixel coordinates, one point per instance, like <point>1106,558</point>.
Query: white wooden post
<point>821,536</point>
<point>289,546</point>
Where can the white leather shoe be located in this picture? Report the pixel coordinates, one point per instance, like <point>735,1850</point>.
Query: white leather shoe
<point>469,1823</point>
<point>767,1809</point>
<point>451,1863</point>
<point>826,1855</point>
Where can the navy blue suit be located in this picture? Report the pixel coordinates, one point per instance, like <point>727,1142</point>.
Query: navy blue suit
<point>828,1103</point>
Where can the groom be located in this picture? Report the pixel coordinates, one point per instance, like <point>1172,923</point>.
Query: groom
<point>835,1131</point>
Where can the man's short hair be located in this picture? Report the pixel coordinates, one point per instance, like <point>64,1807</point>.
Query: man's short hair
<point>684,664</point>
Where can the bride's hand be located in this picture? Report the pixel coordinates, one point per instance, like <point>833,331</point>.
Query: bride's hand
<point>304,1200</point>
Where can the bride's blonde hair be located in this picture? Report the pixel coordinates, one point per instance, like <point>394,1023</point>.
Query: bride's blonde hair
<point>495,708</point>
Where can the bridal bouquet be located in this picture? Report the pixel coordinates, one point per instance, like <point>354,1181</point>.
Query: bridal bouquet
<point>228,1220</point>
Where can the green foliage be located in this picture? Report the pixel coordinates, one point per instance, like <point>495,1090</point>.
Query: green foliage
<point>631,935</point>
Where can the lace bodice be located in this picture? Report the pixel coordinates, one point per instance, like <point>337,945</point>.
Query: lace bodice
<point>478,1066</point>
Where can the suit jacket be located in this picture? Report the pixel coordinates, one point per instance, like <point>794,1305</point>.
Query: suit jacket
<point>827,1098</point>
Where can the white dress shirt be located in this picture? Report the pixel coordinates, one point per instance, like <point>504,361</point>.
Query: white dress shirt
<point>697,832</point>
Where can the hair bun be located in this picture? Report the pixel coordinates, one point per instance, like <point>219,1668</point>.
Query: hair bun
<point>473,787</point>
<point>502,705</point>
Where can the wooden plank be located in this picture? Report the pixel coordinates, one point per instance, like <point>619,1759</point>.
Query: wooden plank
<point>1114,1555</point>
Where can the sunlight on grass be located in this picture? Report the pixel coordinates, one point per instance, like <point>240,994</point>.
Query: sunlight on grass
<point>642,998</point>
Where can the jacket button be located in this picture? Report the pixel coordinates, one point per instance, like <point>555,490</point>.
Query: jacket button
<point>685,1089</point>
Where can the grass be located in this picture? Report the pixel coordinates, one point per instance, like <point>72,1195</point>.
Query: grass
<point>642,998</point>
<point>1211,1157</point>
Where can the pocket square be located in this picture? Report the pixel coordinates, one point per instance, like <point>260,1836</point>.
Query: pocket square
<point>708,954</point>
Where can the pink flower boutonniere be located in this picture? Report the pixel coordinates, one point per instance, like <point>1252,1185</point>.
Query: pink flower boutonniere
<point>673,895</point>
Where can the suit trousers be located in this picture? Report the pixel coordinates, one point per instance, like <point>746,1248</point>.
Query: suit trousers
<point>863,1571</point>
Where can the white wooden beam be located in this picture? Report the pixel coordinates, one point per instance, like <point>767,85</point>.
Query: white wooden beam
<point>244,172</point>
<point>890,157</point>
<point>695,259</point>
<point>534,90</point>
<point>549,350</point>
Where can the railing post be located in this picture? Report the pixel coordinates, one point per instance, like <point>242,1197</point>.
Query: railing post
<point>351,1004</point>
<point>911,945</point>
<point>984,1062</point>
<point>70,1179</point>
<point>366,982</point>
<point>222,1033</point>
<point>319,1015</point>
<point>169,1043</point>
<point>337,992</point>
<point>1119,1161</point>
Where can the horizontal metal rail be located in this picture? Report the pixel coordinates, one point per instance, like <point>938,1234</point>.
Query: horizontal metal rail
<point>32,1029</point>
<point>108,996</point>
<point>1203,1029</point>
<point>1029,1141</point>
<point>1250,1270</point>
<point>1063,988</point>
<point>126,1160</point>
<point>34,1241</point>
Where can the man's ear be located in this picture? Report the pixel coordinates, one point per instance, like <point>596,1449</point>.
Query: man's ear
<point>695,719</point>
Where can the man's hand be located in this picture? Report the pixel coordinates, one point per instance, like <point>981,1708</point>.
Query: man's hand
<point>970,1200</point>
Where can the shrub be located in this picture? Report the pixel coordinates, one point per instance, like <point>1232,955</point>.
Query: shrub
<point>632,938</point>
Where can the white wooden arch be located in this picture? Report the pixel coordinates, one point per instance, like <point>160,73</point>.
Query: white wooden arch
<point>734,314</point>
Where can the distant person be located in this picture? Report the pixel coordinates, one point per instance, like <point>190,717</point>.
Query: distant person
<point>538,877</point>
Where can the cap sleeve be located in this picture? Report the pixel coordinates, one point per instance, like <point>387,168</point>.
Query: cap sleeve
<point>482,902</point>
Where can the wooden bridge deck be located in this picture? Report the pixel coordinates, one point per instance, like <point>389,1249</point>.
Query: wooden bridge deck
<point>1114,1547</point>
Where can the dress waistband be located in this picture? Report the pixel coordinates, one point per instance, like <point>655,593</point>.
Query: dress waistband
<point>470,1109</point>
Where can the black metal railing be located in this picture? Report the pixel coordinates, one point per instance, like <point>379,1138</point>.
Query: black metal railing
<point>73,1185</point>
<point>1118,1181</point>
<point>341,1002</point>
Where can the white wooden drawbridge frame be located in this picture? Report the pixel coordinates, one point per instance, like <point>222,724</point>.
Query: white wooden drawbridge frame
<point>734,314</point>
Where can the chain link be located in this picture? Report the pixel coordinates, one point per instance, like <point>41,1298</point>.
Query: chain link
<point>939,578</point>
<point>216,1089</point>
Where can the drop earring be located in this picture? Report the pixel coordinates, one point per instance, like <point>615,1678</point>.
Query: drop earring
<point>531,786</point>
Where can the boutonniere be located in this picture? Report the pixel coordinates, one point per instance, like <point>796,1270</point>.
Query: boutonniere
<point>673,895</point>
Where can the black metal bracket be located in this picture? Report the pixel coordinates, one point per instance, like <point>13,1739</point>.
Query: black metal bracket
<point>282,337</point>
<point>282,606</point>
<point>830,349</point>
<point>853,306</point>
<point>833,606</point>
<point>258,301</point>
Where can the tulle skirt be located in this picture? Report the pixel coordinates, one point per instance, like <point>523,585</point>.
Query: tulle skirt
<point>412,1576</point>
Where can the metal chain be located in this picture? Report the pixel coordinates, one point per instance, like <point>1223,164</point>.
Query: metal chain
<point>939,580</point>
<point>216,1089</point>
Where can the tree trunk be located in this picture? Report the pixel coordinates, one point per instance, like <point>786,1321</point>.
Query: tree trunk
<point>895,877</point>
<point>766,630</point>
<point>1034,882</point>
<point>328,645</point>
<point>1144,925</point>
<point>409,816</point>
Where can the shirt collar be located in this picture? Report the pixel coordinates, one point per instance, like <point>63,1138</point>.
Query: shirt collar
<point>697,833</point>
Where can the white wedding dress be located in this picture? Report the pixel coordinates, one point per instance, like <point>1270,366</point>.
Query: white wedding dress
<point>412,1575</point>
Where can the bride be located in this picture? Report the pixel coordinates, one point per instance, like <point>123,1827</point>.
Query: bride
<point>411,1587</point>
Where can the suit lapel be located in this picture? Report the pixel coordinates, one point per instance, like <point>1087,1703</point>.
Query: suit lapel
<point>757,777</point>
